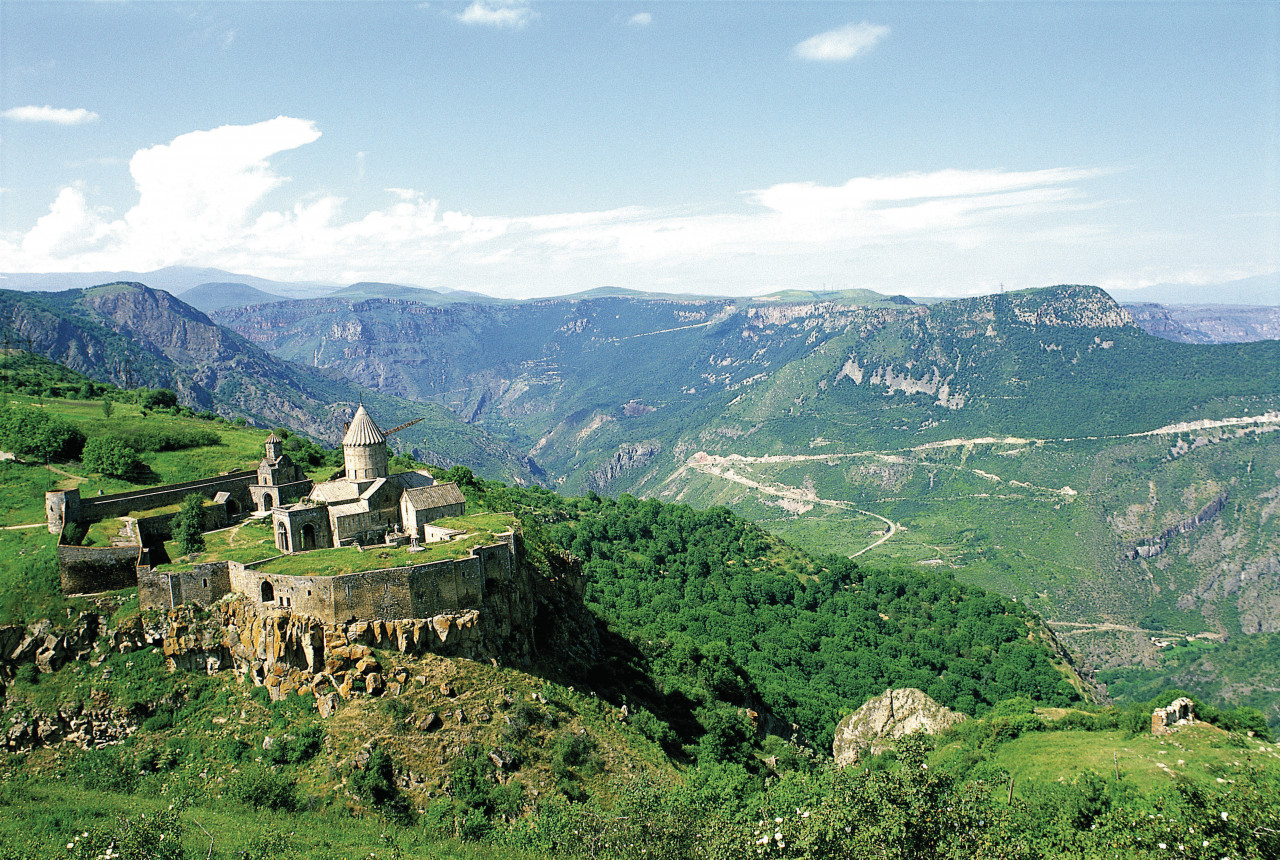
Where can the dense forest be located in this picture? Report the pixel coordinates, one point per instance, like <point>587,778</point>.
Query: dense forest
<point>817,636</point>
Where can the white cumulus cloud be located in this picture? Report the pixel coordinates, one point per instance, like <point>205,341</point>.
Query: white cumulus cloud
<point>46,113</point>
<point>640,19</point>
<point>212,198</point>
<point>513,14</point>
<point>842,43</point>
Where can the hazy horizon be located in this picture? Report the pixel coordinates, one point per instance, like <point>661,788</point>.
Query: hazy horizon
<point>520,149</point>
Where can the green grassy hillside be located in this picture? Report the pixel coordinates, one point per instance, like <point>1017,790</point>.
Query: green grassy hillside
<point>668,742</point>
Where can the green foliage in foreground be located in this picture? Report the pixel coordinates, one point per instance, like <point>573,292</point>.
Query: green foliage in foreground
<point>904,804</point>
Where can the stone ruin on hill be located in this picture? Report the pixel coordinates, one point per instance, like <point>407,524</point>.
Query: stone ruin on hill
<point>1180,712</point>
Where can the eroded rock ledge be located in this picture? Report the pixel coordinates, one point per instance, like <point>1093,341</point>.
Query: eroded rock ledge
<point>872,728</point>
<point>525,618</point>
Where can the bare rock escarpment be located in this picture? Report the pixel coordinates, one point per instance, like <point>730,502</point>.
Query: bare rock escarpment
<point>872,728</point>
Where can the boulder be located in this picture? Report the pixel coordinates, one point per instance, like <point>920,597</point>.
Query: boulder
<point>327,704</point>
<point>872,728</point>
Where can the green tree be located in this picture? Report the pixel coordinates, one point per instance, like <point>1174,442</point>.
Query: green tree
<point>35,434</point>
<point>188,525</point>
<point>160,398</point>
<point>108,455</point>
<point>107,407</point>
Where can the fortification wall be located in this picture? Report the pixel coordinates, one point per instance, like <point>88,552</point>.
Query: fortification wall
<point>204,584</point>
<point>90,569</point>
<point>60,505</point>
<point>415,591</point>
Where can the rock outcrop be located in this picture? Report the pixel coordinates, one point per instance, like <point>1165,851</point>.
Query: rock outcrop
<point>628,458</point>
<point>872,728</point>
<point>526,616</point>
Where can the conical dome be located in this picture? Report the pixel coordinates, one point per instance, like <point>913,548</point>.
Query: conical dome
<point>364,449</point>
<point>363,431</point>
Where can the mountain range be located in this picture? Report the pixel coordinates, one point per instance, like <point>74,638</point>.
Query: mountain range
<point>1038,443</point>
<point>131,335</point>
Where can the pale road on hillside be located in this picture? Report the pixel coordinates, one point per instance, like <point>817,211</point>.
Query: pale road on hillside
<point>705,463</point>
<point>721,466</point>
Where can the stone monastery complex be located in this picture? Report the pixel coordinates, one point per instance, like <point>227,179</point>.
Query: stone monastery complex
<point>364,506</point>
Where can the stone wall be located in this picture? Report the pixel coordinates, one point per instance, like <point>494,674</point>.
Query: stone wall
<point>366,527</point>
<point>203,584</point>
<point>94,508</point>
<point>415,591</point>
<point>90,569</point>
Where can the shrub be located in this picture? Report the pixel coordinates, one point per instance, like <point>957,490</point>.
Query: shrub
<point>261,788</point>
<point>298,749</point>
<point>106,770</point>
<point>160,398</point>
<point>377,784</point>
<point>35,434</point>
<point>397,709</point>
<point>232,748</point>
<point>152,438</point>
<point>1008,728</point>
<point>163,719</point>
<point>109,455</point>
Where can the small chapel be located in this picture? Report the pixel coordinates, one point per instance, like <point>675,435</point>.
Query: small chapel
<point>366,504</point>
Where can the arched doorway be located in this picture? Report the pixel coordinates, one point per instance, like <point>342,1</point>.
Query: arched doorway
<point>232,508</point>
<point>308,536</point>
<point>267,502</point>
<point>268,593</point>
<point>282,538</point>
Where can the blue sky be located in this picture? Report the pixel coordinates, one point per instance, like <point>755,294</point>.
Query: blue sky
<point>536,148</point>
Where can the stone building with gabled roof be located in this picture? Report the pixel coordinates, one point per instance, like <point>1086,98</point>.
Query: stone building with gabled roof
<point>367,503</point>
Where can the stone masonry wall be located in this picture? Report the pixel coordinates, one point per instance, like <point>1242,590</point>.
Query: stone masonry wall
<point>90,569</point>
<point>203,584</point>
<point>96,508</point>
<point>416,591</point>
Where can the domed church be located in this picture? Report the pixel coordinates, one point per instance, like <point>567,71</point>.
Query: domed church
<point>366,505</point>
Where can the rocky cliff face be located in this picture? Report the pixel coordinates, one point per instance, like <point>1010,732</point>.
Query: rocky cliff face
<point>872,728</point>
<point>628,457</point>
<point>528,619</point>
<point>1207,323</point>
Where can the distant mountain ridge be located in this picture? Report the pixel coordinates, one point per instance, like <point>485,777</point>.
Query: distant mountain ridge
<point>171,279</point>
<point>1257,290</point>
<point>217,295</point>
<point>132,335</point>
<point>1208,323</point>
